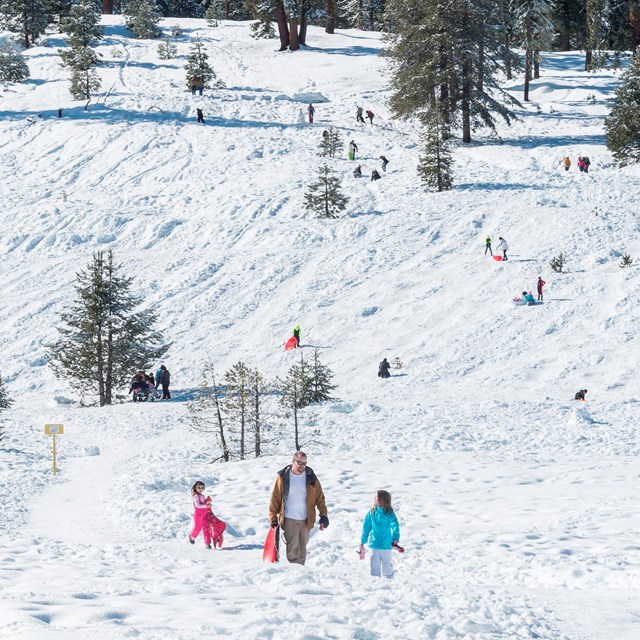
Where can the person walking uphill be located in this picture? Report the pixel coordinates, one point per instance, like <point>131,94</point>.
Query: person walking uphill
<point>370,115</point>
<point>359,117</point>
<point>311,110</point>
<point>201,507</point>
<point>504,246</point>
<point>381,529</point>
<point>200,115</point>
<point>541,284</point>
<point>165,380</point>
<point>296,495</point>
<point>487,246</point>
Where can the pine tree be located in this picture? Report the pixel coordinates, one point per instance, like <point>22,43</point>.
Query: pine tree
<point>57,9</point>
<point>264,13</point>
<point>83,30</point>
<point>623,122</point>
<point>142,18</point>
<point>238,402</point>
<point>103,339</point>
<point>259,390</point>
<point>434,167</point>
<point>199,72</point>
<point>325,196</point>
<point>205,411</point>
<point>558,262</point>
<point>320,377</point>
<point>295,392</point>
<point>167,50</point>
<point>27,17</point>
<point>331,144</point>
<point>184,9</point>
<point>364,14</point>
<point>214,12</point>
<point>5,403</point>
<point>13,66</point>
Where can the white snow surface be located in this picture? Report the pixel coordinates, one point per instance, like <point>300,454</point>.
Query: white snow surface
<point>519,511</point>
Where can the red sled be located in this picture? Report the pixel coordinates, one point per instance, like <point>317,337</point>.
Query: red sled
<point>291,343</point>
<point>270,552</point>
<point>216,529</point>
<point>497,258</point>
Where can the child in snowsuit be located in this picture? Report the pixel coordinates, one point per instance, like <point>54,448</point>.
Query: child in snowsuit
<point>296,335</point>
<point>503,244</point>
<point>311,111</point>
<point>201,506</point>
<point>541,284</point>
<point>385,162</point>
<point>487,246</point>
<point>370,115</point>
<point>381,529</point>
<point>359,117</point>
<point>353,148</point>
<point>383,369</point>
<point>528,298</point>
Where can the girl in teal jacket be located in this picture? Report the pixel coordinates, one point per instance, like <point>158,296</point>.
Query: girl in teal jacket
<point>382,531</point>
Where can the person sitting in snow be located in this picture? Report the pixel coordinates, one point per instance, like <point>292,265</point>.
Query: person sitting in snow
<point>528,298</point>
<point>357,172</point>
<point>581,395</point>
<point>383,369</point>
<point>375,175</point>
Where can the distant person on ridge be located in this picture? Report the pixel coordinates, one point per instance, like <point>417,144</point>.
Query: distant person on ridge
<point>200,115</point>
<point>504,246</point>
<point>296,335</point>
<point>541,284</point>
<point>385,162</point>
<point>370,115</point>
<point>311,110</point>
<point>359,117</point>
<point>383,369</point>
<point>487,246</point>
<point>581,395</point>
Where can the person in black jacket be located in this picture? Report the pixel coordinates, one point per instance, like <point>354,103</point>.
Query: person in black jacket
<point>164,382</point>
<point>581,395</point>
<point>375,175</point>
<point>383,369</point>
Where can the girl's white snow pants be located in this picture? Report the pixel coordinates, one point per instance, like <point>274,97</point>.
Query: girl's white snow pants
<point>381,559</point>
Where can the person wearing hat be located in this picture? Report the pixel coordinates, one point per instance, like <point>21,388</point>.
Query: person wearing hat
<point>581,395</point>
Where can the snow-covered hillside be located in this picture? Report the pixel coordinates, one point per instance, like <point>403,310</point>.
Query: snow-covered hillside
<point>519,516</point>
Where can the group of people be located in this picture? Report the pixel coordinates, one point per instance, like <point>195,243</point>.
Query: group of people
<point>146,386</point>
<point>583,163</point>
<point>296,497</point>
<point>359,117</point>
<point>504,246</point>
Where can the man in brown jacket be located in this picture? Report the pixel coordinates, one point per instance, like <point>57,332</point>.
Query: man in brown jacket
<point>296,495</point>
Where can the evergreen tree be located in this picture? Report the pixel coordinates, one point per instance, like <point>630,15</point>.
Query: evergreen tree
<point>205,411</point>
<point>320,377</point>
<point>142,18</point>
<point>259,390</point>
<point>182,9</point>
<point>167,50</point>
<point>214,12</point>
<point>623,123</point>
<point>295,394</point>
<point>199,72</point>
<point>102,338</point>
<point>27,17</point>
<point>434,166</point>
<point>57,9</point>
<point>325,196</point>
<point>238,402</point>
<point>364,14</point>
<point>534,30</point>
<point>5,403</point>
<point>84,30</point>
<point>331,144</point>
<point>13,66</point>
<point>263,28</point>
<point>569,24</point>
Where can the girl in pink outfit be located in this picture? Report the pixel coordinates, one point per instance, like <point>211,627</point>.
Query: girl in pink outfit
<point>201,507</point>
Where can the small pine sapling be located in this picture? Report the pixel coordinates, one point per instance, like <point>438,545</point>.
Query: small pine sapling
<point>167,50</point>
<point>627,261</point>
<point>558,262</point>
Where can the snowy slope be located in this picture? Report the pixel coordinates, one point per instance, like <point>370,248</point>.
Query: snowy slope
<point>519,517</point>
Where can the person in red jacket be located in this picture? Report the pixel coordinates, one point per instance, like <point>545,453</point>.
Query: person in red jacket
<point>541,284</point>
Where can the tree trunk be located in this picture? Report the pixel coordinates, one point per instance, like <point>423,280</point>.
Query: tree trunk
<point>466,100</point>
<point>256,417</point>
<point>588,60</point>
<point>107,7</point>
<point>331,17</point>
<point>294,45</point>
<point>527,74</point>
<point>283,30</point>
<point>536,64</point>
<point>302,37</point>
<point>634,21</point>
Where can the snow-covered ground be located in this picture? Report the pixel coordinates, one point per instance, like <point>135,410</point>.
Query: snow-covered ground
<point>519,512</point>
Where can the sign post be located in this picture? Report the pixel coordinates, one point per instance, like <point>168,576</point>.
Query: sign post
<point>54,430</point>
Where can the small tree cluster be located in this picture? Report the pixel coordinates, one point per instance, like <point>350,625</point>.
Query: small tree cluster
<point>13,67</point>
<point>325,197</point>
<point>558,262</point>
<point>214,12</point>
<point>167,50</point>
<point>199,72</point>
<point>5,403</point>
<point>263,27</point>
<point>142,18</point>
<point>331,144</point>
<point>27,17</point>
<point>626,261</point>
<point>84,30</point>
<point>234,411</point>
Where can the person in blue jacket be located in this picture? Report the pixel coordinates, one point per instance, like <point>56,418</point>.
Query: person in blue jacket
<point>528,298</point>
<point>382,531</point>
